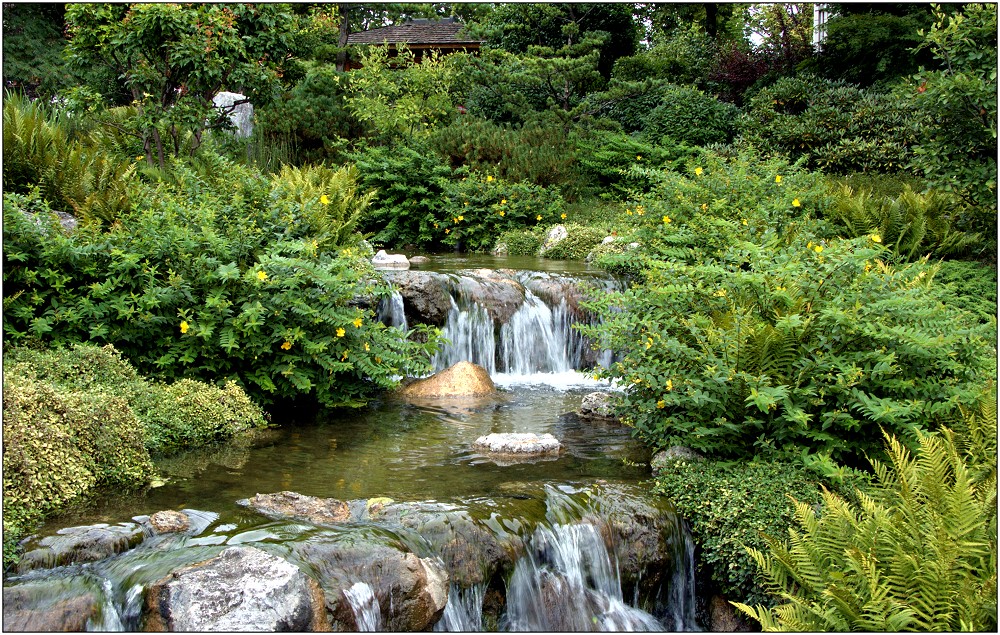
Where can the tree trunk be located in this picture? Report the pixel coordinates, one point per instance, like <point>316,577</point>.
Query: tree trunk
<point>344,31</point>
<point>711,19</point>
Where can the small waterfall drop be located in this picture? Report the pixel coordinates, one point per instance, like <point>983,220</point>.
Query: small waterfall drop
<point>390,311</point>
<point>470,330</point>
<point>464,611</point>
<point>364,605</point>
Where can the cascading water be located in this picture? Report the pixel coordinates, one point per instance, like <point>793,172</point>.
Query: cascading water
<point>470,332</point>
<point>390,311</point>
<point>364,605</point>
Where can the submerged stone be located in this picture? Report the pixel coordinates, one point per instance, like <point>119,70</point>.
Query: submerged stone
<point>169,521</point>
<point>88,543</point>
<point>596,405</point>
<point>242,589</point>
<point>517,443</point>
<point>300,507</point>
<point>37,608</point>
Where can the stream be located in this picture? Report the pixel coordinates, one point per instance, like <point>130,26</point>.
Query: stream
<point>581,544</point>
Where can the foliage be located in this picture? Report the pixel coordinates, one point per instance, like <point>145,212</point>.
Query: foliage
<point>580,240</point>
<point>684,57</point>
<point>520,242</point>
<point>736,70</point>
<point>327,200</point>
<point>400,95</point>
<point>60,444</point>
<point>727,506</point>
<point>39,151</point>
<point>784,31</point>
<point>32,50</point>
<point>919,553</point>
<point>970,286</point>
<point>956,148</point>
<point>409,181</point>
<point>477,209</point>
<point>788,345</point>
<point>175,58</point>
<point>912,225</point>
<point>690,116</point>
<point>210,284</point>
<point>604,159</point>
<point>836,126</point>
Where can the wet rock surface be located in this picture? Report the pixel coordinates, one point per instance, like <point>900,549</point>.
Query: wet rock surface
<point>169,521</point>
<point>425,298</point>
<point>88,543</point>
<point>383,260</point>
<point>517,444</point>
<point>242,589</point>
<point>297,506</point>
<point>463,379</point>
<point>34,608</point>
<point>596,405</point>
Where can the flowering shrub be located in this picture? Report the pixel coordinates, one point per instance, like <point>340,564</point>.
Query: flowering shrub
<point>476,210</point>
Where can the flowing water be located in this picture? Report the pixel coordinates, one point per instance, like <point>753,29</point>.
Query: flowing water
<point>567,577</point>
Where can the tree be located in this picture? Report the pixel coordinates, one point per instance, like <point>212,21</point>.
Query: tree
<point>32,49</point>
<point>175,58</point>
<point>784,30</point>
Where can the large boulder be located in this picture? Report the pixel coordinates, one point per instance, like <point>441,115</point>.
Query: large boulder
<point>425,298</point>
<point>501,295</point>
<point>239,110</point>
<point>242,589</point>
<point>411,592</point>
<point>41,608</point>
<point>88,543</point>
<point>463,379</point>
<point>555,235</point>
<point>282,505</point>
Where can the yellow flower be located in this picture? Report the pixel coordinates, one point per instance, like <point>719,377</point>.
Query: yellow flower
<point>704,207</point>
<point>666,219</point>
<point>503,201</point>
<point>670,385</point>
<point>435,225</point>
<point>489,178</point>
<point>262,275</point>
<point>868,266</point>
<point>796,203</point>
<point>357,322</point>
<point>809,245</point>
<point>461,218</point>
<point>721,293</point>
<point>378,360</point>
<point>344,356</point>
<point>698,170</point>
<point>876,238</point>
<point>638,157</point>
<point>539,217</point>
<point>661,404</point>
<point>563,216</point>
<point>447,231</point>
<point>629,212</point>
<point>818,248</point>
<point>140,158</point>
<point>777,179</point>
<point>367,348</point>
<point>744,221</point>
<point>640,210</point>
<point>341,332</point>
<point>503,213</point>
<point>779,288</point>
<point>287,345</point>
<point>184,326</point>
<point>325,200</point>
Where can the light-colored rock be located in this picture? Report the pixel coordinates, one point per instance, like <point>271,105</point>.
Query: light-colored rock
<point>608,240</point>
<point>555,235</point>
<point>241,115</point>
<point>664,458</point>
<point>463,379</point>
<point>300,507</point>
<point>500,294</point>
<point>419,260</point>
<point>382,260</point>
<point>241,589</point>
<point>88,543</point>
<point>169,521</point>
<point>519,443</point>
<point>596,405</point>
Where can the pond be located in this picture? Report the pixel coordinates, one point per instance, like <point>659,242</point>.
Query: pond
<point>562,511</point>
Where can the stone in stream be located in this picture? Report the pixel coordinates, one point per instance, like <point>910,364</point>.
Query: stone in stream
<point>419,260</point>
<point>299,507</point>
<point>241,589</point>
<point>88,543</point>
<point>555,235</point>
<point>169,521</point>
<point>411,591</point>
<point>382,260</point>
<point>510,444</point>
<point>662,460</point>
<point>596,405</point>
<point>463,379</point>
<point>425,299</point>
<point>41,608</point>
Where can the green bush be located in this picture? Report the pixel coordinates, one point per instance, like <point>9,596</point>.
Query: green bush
<point>835,126</point>
<point>580,240</point>
<point>59,445</point>
<point>789,345</point>
<point>521,242</point>
<point>209,284</point>
<point>970,286</point>
<point>476,210</point>
<point>327,200</point>
<point>684,57</point>
<point>605,158</point>
<point>172,417</point>
<point>690,116</point>
<point>728,506</point>
<point>919,554</point>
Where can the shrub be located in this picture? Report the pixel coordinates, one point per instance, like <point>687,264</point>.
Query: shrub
<point>690,116</point>
<point>919,554</point>
<point>605,158</point>
<point>970,286</point>
<point>172,417</point>
<point>685,57</point>
<point>727,507</point>
<point>835,126</point>
<point>580,240</point>
<point>789,345</point>
<point>205,285</point>
<point>521,242</point>
<point>327,200</point>
<point>478,209</point>
<point>911,224</point>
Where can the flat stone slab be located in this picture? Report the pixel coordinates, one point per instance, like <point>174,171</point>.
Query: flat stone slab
<point>382,260</point>
<point>518,443</point>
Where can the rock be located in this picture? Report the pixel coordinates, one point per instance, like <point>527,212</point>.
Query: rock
<point>88,543</point>
<point>596,405</point>
<point>723,617</point>
<point>169,521</point>
<point>463,379</point>
<point>554,235</point>
<point>241,589</point>
<point>608,240</point>
<point>411,591</point>
<point>500,249</point>
<point>37,608</point>
<point>425,300</point>
<point>241,115</point>
<point>634,245</point>
<point>383,260</point>
<point>517,443</point>
<point>555,289</point>
<point>499,294</point>
<point>419,260</point>
<point>664,458</point>
<point>299,507</point>
<point>68,222</point>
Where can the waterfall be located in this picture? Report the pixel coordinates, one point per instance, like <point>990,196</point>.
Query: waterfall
<point>390,311</point>
<point>364,605</point>
<point>464,611</point>
<point>470,330</point>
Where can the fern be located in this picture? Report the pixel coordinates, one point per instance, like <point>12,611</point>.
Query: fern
<point>329,200</point>
<point>919,554</point>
